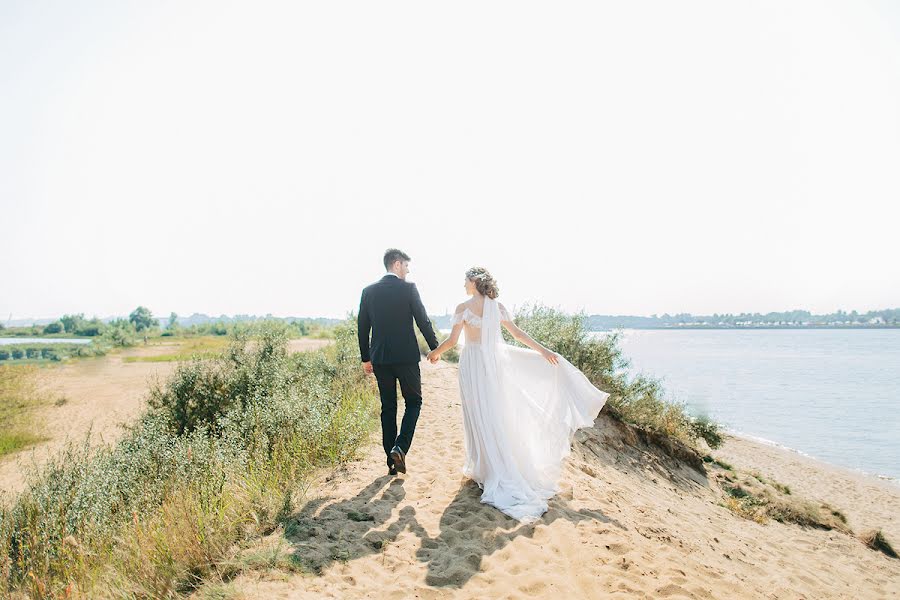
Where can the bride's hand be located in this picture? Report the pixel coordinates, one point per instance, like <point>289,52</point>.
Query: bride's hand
<point>433,357</point>
<point>551,357</point>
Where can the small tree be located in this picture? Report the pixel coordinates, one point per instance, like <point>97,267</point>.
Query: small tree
<point>120,333</point>
<point>72,322</point>
<point>91,328</point>
<point>173,321</point>
<point>142,319</point>
<point>53,328</point>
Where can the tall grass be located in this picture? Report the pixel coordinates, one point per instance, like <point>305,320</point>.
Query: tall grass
<point>219,456</point>
<point>634,399</point>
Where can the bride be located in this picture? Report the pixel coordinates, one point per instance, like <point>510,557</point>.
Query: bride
<point>520,407</point>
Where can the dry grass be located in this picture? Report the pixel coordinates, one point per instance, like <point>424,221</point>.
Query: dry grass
<point>759,499</point>
<point>876,541</point>
<point>200,347</point>
<point>18,401</point>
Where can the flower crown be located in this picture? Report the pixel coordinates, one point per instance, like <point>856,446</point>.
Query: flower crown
<point>482,276</point>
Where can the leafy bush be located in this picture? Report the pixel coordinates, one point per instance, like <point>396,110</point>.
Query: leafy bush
<point>4,355</point>
<point>637,400</point>
<point>52,328</point>
<point>91,328</point>
<point>148,516</point>
<point>120,333</point>
<point>72,322</point>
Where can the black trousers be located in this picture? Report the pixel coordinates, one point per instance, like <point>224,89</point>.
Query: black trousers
<point>411,387</point>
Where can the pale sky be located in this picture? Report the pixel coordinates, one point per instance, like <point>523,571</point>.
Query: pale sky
<point>621,157</point>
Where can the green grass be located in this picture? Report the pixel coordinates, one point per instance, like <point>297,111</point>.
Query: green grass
<point>18,401</point>
<point>198,347</point>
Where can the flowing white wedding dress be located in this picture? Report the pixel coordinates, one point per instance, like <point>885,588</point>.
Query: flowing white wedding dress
<point>519,414</point>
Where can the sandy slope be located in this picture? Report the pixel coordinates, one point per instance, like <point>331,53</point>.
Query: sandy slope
<point>628,523</point>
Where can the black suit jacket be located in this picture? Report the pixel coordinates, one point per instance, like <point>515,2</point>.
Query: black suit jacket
<point>388,308</point>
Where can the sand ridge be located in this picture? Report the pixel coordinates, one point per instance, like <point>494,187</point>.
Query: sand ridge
<point>629,522</point>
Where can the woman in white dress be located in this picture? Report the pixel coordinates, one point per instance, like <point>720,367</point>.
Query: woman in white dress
<point>521,407</point>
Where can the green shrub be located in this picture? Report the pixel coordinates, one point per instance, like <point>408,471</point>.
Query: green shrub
<point>72,322</point>
<point>91,328</point>
<point>148,516</point>
<point>4,355</point>
<point>52,328</point>
<point>120,333</point>
<point>17,353</point>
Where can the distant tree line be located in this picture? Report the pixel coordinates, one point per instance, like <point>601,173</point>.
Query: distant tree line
<point>793,318</point>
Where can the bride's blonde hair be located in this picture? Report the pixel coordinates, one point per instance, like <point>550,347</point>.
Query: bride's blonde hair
<point>484,282</point>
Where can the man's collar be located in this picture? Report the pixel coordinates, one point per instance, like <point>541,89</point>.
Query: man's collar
<point>394,274</point>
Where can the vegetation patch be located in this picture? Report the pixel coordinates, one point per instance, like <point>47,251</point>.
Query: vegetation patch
<point>205,347</point>
<point>876,541</point>
<point>18,401</point>
<point>217,459</point>
<point>759,499</point>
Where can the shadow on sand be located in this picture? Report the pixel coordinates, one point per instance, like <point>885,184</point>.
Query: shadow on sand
<point>322,533</point>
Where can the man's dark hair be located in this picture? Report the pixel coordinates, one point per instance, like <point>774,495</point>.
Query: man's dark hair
<point>392,255</point>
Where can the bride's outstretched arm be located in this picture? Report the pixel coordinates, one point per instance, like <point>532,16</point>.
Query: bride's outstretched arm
<point>450,342</point>
<point>526,339</point>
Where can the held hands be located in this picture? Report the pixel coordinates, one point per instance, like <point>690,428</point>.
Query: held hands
<point>367,367</point>
<point>433,357</point>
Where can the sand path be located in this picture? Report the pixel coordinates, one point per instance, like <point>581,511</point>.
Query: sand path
<point>628,523</point>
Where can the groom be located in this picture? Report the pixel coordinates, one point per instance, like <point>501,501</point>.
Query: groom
<point>388,307</point>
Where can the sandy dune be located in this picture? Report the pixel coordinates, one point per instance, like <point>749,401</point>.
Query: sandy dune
<point>629,522</point>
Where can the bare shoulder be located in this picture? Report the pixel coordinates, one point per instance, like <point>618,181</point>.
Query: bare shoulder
<point>461,307</point>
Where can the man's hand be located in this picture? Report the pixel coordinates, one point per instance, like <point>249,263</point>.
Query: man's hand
<point>367,367</point>
<point>433,357</point>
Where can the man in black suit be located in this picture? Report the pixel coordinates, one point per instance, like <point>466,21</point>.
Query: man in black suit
<point>388,308</point>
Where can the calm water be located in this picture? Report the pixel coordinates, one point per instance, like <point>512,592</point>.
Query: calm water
<point>4,341</point>
<point>834,395</point>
